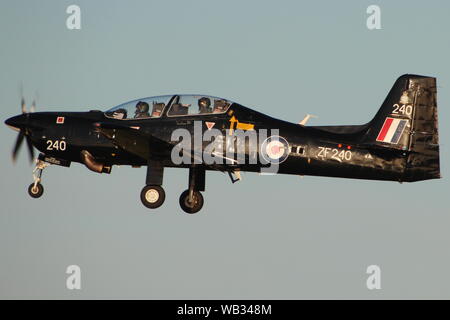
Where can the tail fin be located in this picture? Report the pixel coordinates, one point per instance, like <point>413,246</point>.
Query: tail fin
<point>408,121</point>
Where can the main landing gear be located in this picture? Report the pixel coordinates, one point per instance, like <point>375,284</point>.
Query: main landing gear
<point>191,200</point>
<point>191,203</point>
<point>153,195</point>
<point>36,189</point>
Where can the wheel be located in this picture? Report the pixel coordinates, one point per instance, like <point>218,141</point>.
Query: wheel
<point>153,196</point>
<point>194,206</point>
<point>37,191</point>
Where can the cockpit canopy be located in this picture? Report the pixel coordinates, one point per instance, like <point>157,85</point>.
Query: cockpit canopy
<point>171,105</point>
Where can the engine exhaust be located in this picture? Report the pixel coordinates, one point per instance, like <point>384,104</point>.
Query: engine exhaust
<point>92,164</point>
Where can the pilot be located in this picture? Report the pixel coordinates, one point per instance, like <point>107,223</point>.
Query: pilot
<point>220,106</point>
<point>204,105</point>
<point>120,113</point>
<point>157,109</point>
<point>142,109</point>
<point>179,109</point>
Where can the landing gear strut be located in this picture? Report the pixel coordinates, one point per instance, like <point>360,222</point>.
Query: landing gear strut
<point>191,200</point>
<point>36,189</point>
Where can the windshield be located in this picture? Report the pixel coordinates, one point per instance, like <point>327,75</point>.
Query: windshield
<point>151,107</point>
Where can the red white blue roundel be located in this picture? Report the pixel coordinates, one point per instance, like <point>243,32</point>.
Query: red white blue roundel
<point>275,149</point>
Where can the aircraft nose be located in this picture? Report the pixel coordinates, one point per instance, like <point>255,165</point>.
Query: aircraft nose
<point>16,122</point>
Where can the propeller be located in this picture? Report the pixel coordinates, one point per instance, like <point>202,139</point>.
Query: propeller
<point>24,132</point>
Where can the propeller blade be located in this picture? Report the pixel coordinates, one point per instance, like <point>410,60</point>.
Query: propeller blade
<point>30,148</point>
<point>33,106</point>
<point>17,145</point>
<point>22,99</point>
<point>22,103</point>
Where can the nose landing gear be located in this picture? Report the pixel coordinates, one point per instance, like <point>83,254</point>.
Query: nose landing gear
<point>35,190</point>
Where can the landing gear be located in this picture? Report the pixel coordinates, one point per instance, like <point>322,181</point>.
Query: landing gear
<point>153,196</point>
<point>191,204</point>
<point>191,200</point>
<point>35,190</point>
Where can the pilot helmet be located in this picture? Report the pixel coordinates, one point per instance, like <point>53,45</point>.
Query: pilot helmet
<point>204,103</point>
<point>142,107</point>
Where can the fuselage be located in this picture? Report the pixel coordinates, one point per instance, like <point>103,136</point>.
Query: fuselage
<point>311,151</point>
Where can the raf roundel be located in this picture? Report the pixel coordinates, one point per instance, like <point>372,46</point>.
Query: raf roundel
<point>275,149</point>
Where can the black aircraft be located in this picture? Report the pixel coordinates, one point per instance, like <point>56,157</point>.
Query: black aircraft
<point>203,133</point>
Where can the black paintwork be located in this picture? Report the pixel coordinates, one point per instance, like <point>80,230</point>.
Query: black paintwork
<point>334,151</point>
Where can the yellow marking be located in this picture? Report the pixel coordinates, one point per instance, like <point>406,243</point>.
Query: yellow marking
<point>230,112</point>
<point>244,126</point>
<point>232,121</point>
<point>239,125</point>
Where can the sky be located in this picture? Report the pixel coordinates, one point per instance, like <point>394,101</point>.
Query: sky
<point>265,237</point>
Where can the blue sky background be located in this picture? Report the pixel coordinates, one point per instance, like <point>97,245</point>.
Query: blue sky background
<point>264,237</point>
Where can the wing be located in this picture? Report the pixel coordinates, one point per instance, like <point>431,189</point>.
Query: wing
<point>133,140</point>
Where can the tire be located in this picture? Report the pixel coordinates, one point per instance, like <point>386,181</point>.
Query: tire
<point>194,207</point>
<point>153,196</point>
<point>35,192</point>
